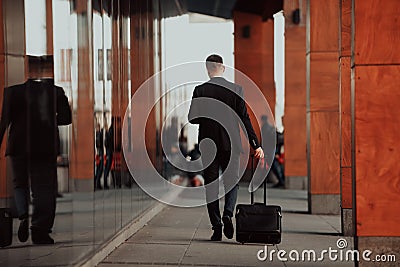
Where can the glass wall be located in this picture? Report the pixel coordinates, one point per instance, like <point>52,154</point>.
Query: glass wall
<point>102,50</point>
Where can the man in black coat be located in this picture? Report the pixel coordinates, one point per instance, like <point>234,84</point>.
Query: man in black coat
<point>225,103</point>
<point>31,112</point>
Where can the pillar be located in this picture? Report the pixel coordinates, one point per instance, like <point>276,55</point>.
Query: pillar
<point>49,27</point>
<point>375,121</point>
<point>323,136</point>
<point>295,97</point>
<point>254,56</point>
<point>142,67</point>
<point>120,76</point>
<point>82,147</point>
<point>12,71</point>
<point>346,169</point>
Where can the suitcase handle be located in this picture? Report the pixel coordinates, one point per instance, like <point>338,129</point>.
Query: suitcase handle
<point>264,184</point>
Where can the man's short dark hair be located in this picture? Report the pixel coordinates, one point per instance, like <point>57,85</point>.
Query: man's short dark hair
<point>212,59</point>
<point>40,60</point>
<point>37,63</point>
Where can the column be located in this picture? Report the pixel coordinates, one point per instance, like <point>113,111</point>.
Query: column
<point>12,71</point>
<point>375,101</point>
<point>142,67</point>
<point>254,53</point>
<point>254,56</point>
<point>346,169</point>
<point>82,147</point>
<point>120,80</point>
<point>323,136</point>
<point>49,27</point>
<point>295,95</point>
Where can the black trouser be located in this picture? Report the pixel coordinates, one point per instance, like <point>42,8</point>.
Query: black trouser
<point>99,169</point>
<point>107,168</point>
<point>42,174</point>
<point>230,180</point>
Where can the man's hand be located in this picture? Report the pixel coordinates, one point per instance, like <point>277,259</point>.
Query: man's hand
<point>259,153</point>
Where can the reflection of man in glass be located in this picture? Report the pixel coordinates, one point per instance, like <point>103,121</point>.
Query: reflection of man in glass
<point>228,146</point>
<point>31,112</point>
<point>99,155</point>
<point>109,145</point>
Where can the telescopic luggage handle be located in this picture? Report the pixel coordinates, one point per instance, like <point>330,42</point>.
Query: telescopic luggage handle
<point>251,182</point>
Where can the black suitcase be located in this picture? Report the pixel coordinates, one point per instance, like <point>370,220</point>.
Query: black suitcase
<point>258,222</point>
<point>6,227</point>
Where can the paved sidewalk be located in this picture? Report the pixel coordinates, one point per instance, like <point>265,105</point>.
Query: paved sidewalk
<point>180,237</point>
<point>84,221</point>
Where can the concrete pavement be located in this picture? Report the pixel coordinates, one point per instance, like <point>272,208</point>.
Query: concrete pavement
<point>180,237</point>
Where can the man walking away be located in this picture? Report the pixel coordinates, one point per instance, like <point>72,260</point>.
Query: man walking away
<point>228,146</point>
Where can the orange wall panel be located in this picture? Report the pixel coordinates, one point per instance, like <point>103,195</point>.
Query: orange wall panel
<point>345,104</point>
<point>325,153</point>
<point>294,120</point>
<point>256,31</point>
<point>345,28</point>
<point>377,38</point>
<point>295,75</point>
<point>324,37</point>
<point>347,193</point>
<point>249,63</point>
<point>289,6</point>
<point>295,141</point>
<point>323,92</point>
<point>377,150</point>
<point>49,27</point>
<point>82,147</point>
<point>295,39</point>
<point>254,56</point>
<point>142,68</point>
<point>267,56</point>
<point>1,30</point>
<point>324,81</point>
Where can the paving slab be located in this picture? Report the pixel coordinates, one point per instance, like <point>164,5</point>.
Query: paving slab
<point>180,237</point>
<point>133,253</point>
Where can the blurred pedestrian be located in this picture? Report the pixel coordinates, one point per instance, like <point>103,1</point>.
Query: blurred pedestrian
<point>109,145</point>
<point>99,135</point>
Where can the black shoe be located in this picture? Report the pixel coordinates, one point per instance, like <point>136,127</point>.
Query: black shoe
<point>228,227</point>
<point>217,235</point>
<point>41,238</point>
<point>23,230</point>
